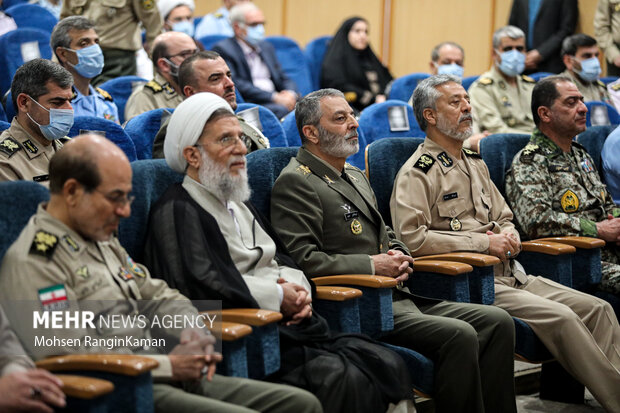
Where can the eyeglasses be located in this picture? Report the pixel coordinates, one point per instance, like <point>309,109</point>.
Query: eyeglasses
<point>184,54</point>
<point>118,199</point>
<point>229,140</point>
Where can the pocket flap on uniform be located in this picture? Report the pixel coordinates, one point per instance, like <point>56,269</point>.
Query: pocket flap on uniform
<point>451,208</point>
<point>117,4</point>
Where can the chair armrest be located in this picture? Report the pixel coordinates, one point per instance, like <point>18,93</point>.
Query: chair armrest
<point>587,243</point>
<point>251,316</point>
<point>232,331</point>
<point>441,267</point>
<point>125,364</point>
<point>83,387</point>
<point>362,280</point>
<point>547,247</point>
<point>472,258</point>
<point>332,293</point>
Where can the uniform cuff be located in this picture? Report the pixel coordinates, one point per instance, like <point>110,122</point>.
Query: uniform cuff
<point>588,228</point>
<point>372,266</point>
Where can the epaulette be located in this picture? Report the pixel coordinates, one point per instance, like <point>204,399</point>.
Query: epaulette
<point>600,83</point>
<point>347,165</point>
<point>303,169</point>
<point>424,163</point>
<point>74,95</point>
<point>350,96</point>
<point>148,4</point>
<point>154,86</point>
<point>105,94</point>
<point>471,153</point>
<point>615,87</point>
<point>218,15</point>
<point>531,149</point>
<point>527,79</point>
<point>9,146</point>
<point>485,81</point>
<point>44,244</point>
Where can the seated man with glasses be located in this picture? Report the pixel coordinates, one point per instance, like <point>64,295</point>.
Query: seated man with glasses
<point>501,97</point>
<point>170,49</point>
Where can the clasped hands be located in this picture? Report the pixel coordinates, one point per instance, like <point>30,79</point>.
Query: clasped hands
<point>504,245</point>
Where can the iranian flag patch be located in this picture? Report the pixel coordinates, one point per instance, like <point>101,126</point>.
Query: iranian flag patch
<point>54,298</point>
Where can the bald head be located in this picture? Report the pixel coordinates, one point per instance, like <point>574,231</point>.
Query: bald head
<point>169,50</point>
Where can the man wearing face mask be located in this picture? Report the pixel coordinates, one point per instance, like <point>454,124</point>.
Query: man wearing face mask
<point>76,46</point>
<point>170,49</point>
<point>501,97</point>
<point>178,15</point>
<point>253,62</point>
<point>580,56</point>
<point>41,93</point>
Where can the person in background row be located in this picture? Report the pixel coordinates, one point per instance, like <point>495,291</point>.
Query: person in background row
<point>6,22</point>
<point>178,15</point>
<point>607,33</point>
<point>53,6</point>
<point>217,23</point>
<point>351,66</point>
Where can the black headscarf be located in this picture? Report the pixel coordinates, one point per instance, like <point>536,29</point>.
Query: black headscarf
<point>344,68</point>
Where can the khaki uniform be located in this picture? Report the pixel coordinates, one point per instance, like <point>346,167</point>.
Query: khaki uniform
<point>48,255</point>
<point>442,204</point>
<point>590,90</point>
<point>23,157</point>
<point>330,224</point>
<point>499,107</point>
<point>156,94</point>
<point>607,31</point>
<point>12,355</point>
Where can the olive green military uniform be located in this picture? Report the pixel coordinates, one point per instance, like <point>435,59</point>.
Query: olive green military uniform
<point>607,31</point>
<point>118,24</point>
<point>498,107</point>
<point>23,157</point>
<point>330,224</point>
<point>49,256</point>
<point>156,94</point>
<point>257,139</point>
<point>557,193</point>
<point>596,90</point>
<point>442,204</point>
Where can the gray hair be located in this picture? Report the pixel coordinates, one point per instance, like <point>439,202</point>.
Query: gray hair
<point>507,31</point>
<point>237,13</point>
<point>60,35</point>
<point>32,77</point>
<point>308,109</point>
<point>426,94</point>
<point>435,51</point>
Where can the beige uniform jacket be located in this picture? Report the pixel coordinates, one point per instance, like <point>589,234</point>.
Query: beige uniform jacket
<point>117,22</point>
<point>498,107</point>
<point>590,90</point>
<point>12,354</point>
<point>156,94</point>
<point>607,27</point>
<point>23,157</point>
<point>48,256</point>
<point>441,204</point>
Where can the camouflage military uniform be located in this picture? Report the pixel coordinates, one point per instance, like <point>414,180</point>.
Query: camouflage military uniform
<point>557,193</point>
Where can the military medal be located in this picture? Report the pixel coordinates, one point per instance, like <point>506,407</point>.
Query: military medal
<point>455,224</point>
<point>356,227</point>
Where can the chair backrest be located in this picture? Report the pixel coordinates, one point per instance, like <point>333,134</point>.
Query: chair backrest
<point>375,121</point>
<point>113,132</point>
<point>4,125</point>
<point>32,16</point>
<point>384,158</point>
<point>289,124</point>
<point>3,117</point>
<point>143,128</point>
<point>151,178</point>
<point>466,82</point>
<point>315,52</point>
<point>210,40</point>
<point>19,46</point>
<point>608,79</point>
<point>9,109</point>
<point>293,62</point>
<point>593,139</point>
<point>272,128</point>
<point>540,75</point>
<point>498,151</point>
<point>18,201</point>
<point>595,107</point>
<point>120,88</point>
<point>264,167</point>
<point>403,87</point>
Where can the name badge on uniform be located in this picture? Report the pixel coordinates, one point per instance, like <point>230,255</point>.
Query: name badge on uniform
<point>349,215</point>
<point>448,197</point>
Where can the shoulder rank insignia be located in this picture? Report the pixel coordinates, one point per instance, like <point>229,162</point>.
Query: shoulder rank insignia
<point>303,169</point>
<point>527,79</point>
<point>135,268</point>
<point>600,83</point>
<point>105,94</point>
<point>485,81</point>
<point>30,147</point>
<point>569,202</point>
<point>169,90</point>
<point>424,163</point>
<point>154,86</point>
<point>615,87</point>
<point>529,151</point>
<point>471,153</point>
<point>350,96</point>
<point>70,242</point>
<point>9,146</point>
<point>148,4</point>
<point>44,244</point>
<point>445,159</point>
<point>218,15</point>
<point>74,95</point>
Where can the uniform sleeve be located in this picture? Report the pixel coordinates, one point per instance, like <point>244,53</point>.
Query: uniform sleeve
<point>139,102</point>
<point>411,216</point>
<point>603,30</point>
<point>297,216</point>
<point>485,112</point>
<point>149,17</point>
<point>7,172</point>
<point>12,355</point>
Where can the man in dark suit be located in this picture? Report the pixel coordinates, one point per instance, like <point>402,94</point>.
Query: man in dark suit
<point>545,23</point>
<point>253,62</point>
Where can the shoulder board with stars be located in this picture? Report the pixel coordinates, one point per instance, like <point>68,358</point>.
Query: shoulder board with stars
<point>350,96</point>
<point>527,79</point>
<point>9,146</point>
<point>30,147</point>
<point>148,4</point>
<point>303,169</point>
<point>529,151</point>
<point>615,87</point>
<point>424,163</point>
<point>471,153</point>
<point>600,83</point>
<point>105,94</point>
<point>44,244</point>
<point>485,81</point>
<point>154,86</point>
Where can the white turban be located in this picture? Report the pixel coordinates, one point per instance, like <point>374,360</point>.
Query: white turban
<point>186,125</point>
<point>166,6</point>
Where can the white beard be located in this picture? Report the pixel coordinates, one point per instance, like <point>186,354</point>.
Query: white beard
<point>220,182</point>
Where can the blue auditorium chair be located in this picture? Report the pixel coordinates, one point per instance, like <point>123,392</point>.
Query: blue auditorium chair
<point>3,117</point>
<point>403,87</point>
<point>120,89</point>
<point>19,46</point>
<point>290,130</point>
<point>466,82</point>
<point>608,79</point>
<point>612,113</point>
<point>540,75</point>
<point>593,139</point>
<point>10,3</point>
<point>315,52</point>
<point>293,62</point>
<point>9,109</point>
<point>112,131</point>
<point>210,40</point>
<point>271,126</point>
<point>32,16</point>
<point>143,128</point>
<point>4,125</point>
<point>374,122</point>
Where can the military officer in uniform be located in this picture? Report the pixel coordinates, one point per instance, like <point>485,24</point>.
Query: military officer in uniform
<point>68,251</point>
<point>607,32</point>
<point>325,212</point>
<point>206,71</point>
<point>118,24</point>
<point>169,51</point>
<point>41,92</point>
<point>444,201</point>
<point>76,46</point>
<point>217,23</point>
<point>501,97</point>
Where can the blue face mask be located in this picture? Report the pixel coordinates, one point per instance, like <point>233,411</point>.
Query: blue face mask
<point>90,61</point>
<point>60,124</point>
<point>590,69</point>
<point>451,69</point>
<point>184,26</point>
<point>255,34</point>
<point>513,62</point>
